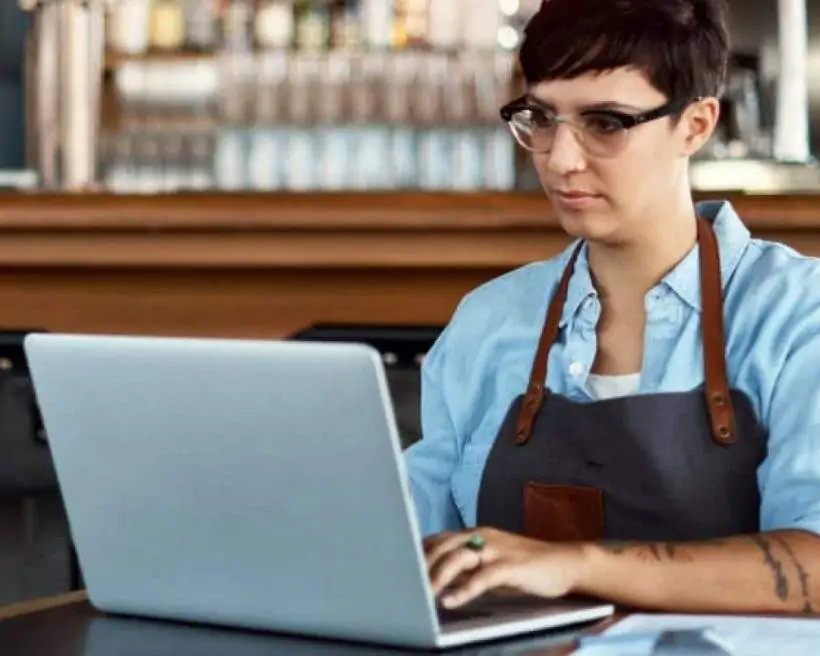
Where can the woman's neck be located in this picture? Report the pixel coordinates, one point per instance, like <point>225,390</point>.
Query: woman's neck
<point>629,270</point>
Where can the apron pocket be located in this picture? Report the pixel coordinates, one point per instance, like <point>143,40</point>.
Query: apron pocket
<point>563,513</point>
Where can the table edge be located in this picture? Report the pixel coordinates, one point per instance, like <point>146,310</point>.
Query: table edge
<point>41,604</point>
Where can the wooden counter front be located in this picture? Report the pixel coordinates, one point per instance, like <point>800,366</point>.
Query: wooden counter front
<point>268,265</point>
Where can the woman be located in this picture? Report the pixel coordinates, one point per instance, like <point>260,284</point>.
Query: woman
<point>637,419</point>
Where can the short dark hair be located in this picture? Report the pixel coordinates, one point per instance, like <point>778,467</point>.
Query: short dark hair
<point>682,46</point>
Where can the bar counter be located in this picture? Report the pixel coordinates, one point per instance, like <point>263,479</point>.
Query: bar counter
<point>267,265</point>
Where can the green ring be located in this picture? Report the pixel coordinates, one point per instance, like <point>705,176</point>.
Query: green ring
<point>476,542</point>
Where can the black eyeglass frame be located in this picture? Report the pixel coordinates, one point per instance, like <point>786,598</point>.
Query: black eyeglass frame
<point>628,121</point>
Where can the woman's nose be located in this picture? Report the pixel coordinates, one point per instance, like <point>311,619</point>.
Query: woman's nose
<point>566,154</point>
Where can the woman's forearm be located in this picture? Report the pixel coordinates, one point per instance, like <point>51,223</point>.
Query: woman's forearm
<point>766,573</point>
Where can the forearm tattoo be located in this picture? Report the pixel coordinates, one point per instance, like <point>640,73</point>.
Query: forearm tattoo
<point>767,544</point>
<point>651,551</point>
<point>802,574</point>
<point>781,583</point>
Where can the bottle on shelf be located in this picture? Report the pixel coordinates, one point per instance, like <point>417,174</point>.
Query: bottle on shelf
<point>446,18</point>
<point>346,29</point>
<point>482,25</point>
<point>411,22</point>
<point>274,24</point>
<point>312,25</point>
<point>167,25</point>
<point>267,137</point>
<point>236,25</point>
<point>377,18</point>
<point>129,27</point>
<point>201,25</point>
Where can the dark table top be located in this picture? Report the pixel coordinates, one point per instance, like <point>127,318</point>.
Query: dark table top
<point>71,627</point>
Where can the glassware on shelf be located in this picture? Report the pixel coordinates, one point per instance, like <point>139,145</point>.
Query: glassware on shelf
<point>201,26</point>
<point>167,25</point>
<point>128,24</point>
<point>237,16</point>
<point>274,24</point>
<point>377,23</point>
<point>445,23</point>
<point>312,25</point>
<point>411,23</point>
<point>309,95</point>
<point>482,24</point>
<point>266,137</point>
<point>347,29</point>
<point>431,114</point>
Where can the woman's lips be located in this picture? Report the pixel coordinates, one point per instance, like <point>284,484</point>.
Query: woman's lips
<point>574,197</point>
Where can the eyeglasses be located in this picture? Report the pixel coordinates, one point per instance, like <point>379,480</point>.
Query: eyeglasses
<point>601,132</point>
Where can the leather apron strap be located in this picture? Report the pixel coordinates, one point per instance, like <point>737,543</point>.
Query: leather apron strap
<point>534,396</point>
<point>718,399</point>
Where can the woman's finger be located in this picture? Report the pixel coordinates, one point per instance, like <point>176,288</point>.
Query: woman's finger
<point>451,566</point>
<point>481,581</point>
<point>443,547</point>
<point>431,541</point>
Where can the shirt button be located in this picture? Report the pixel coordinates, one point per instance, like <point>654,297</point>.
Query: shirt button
<point>576,369</point>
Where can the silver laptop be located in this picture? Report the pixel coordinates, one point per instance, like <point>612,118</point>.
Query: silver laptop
<point>256,484</point>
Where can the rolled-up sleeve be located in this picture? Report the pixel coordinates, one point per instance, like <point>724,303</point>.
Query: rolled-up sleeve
<point>790,475</point>
<point>432,460</point>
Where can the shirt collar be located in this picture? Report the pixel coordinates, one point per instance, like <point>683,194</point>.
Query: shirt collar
<point>684,280</point>
<point>732,237</point>
<point>580,285</point>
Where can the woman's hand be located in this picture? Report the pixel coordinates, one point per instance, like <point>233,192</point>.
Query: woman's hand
<point>504,562</point>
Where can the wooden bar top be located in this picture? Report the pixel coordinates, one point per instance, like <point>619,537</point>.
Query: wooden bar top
<point>336,230</point>
<point>267,265</point>
<point>240,212</point>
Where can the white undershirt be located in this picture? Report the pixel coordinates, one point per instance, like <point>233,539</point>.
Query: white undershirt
<point>610,387</point>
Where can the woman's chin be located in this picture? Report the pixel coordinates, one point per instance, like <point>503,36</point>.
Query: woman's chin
<point>591,224</point>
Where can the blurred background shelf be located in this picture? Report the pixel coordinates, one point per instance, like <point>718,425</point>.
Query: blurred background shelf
<point>377,95</point>
<point>114,60</point>
<point>333,95</point>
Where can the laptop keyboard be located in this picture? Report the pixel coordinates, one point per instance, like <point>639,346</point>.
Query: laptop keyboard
<point>450,615</point>
<point>489,606</point>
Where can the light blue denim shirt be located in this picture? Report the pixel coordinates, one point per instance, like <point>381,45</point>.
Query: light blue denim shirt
<point>482,361</point>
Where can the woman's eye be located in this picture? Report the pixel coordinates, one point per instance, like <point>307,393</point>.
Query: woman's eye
<point>602,123</point>
<point>542,119</point>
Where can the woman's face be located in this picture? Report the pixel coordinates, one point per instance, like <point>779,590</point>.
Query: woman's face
<point>611,196</point>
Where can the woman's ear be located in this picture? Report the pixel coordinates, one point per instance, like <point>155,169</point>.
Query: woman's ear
<point>698,124</point>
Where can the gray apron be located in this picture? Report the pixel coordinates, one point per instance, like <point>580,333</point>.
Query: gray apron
<point>668,466</point>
